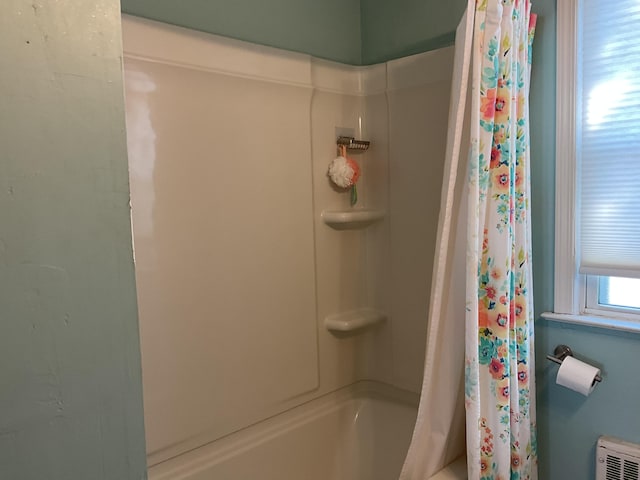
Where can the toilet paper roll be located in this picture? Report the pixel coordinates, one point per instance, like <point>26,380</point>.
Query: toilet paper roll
<point>577,375</point>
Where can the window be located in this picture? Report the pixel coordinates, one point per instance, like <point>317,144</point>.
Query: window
<point>598,163</point>
<point>613,294</point>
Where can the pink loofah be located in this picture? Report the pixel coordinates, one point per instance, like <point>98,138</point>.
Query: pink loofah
<point>345,172</point>
<point>356,170</point>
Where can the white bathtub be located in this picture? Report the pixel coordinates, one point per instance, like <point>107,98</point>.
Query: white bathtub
<point>361,432</point>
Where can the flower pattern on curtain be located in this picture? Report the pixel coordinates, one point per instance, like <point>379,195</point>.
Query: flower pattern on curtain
<point>499,364</point>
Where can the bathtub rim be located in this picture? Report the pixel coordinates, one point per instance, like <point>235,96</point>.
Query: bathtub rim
<point>253,435</point>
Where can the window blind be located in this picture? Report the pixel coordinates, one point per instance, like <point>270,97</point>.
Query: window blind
<point>609,138</point>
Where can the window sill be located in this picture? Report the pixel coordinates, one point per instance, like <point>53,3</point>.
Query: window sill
<point>619,324</point>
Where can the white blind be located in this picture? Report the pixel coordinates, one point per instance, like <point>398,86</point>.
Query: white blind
<point>609,139</point>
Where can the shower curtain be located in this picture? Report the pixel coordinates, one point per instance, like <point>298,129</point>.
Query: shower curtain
<point>496,314</point>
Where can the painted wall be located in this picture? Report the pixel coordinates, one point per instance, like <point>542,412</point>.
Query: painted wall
<point>570,424</point>
<point>326,29</point>
<point>405,27</point>
<point>70,388</point>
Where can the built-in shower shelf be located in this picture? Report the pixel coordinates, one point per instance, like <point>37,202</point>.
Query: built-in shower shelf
<point>354,320</point>
<point>351,219</point>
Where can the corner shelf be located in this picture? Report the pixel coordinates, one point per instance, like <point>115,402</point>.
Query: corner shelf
<point>354,320</point>
<point>351,219</point>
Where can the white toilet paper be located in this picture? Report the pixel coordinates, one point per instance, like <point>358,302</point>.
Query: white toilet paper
<point>577,376</point>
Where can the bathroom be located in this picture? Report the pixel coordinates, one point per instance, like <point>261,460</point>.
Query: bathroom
<point>71,382</point>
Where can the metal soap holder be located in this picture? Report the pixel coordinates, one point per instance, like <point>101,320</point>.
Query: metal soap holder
<point>353,144</point>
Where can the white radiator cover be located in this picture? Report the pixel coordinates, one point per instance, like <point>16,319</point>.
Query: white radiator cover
<point>617,460</point>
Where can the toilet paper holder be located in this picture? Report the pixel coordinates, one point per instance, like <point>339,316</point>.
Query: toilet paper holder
<point>563,351</point>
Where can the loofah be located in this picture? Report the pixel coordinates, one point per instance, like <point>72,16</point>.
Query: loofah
<point>344,172</point>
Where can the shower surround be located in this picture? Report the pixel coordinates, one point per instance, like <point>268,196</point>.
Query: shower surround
<point>229,144</point>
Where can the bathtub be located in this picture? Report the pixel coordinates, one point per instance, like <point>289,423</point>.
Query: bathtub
<point>361,432</point>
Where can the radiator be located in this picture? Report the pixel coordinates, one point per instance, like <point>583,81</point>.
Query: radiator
<point>617,460</point>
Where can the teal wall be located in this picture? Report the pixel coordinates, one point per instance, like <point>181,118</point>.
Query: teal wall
<point>70,385</point>
<point>324,28</point>
<point>570,424</point>
<point>405,27</point>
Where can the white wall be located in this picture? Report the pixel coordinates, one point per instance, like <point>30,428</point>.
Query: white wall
<point>229,145</point>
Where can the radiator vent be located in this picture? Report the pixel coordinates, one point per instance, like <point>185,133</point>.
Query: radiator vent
<point>617,460</point>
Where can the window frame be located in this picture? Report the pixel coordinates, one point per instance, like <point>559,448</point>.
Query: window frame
<point>573,293</point>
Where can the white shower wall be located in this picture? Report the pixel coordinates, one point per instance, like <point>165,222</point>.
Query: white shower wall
<point>229,144</point>
<point>418,98</point>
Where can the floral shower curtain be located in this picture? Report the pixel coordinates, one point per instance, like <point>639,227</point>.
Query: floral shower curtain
<point>499,363</point>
